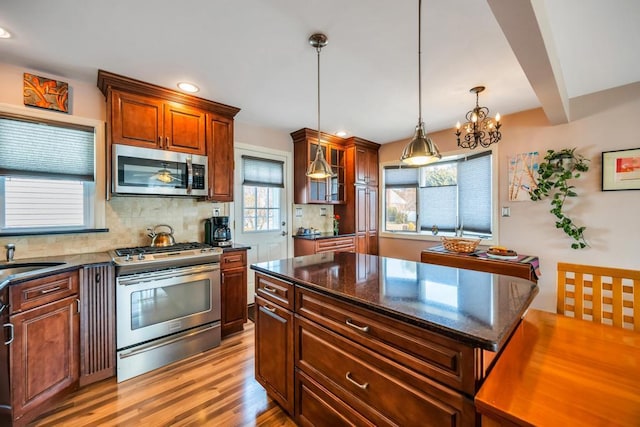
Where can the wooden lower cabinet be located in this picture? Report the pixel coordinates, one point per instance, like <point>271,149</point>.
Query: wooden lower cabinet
<point>233,291</point>
<point>331,244</point>
<point>354,366</point>
<point>97,323</point>
<point>44,356</point>
<point>274,352</point>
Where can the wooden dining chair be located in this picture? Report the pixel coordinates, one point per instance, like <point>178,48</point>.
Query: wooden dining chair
<point>599,294</point>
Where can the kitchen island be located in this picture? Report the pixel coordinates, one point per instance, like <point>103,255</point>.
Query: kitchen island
<point>346,337</point>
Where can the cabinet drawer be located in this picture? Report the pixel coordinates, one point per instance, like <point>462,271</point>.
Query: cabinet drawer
<point>44,290</point>
<point>233,259</point>
<point>431,355</point>
<point>275,290</point>
<point>316,406</point>
<point>383,391</point>
<point>338,244</point>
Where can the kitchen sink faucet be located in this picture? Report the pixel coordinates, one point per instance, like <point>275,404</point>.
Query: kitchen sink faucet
<point>11,250</point>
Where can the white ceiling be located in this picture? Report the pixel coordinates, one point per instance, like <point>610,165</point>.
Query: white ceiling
<point>254,54</point>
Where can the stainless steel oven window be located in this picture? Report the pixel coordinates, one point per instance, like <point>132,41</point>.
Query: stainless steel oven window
<point>162,304</point>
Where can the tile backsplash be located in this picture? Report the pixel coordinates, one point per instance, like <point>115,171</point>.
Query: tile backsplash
<point>319,217</point>
<point>127,221</point>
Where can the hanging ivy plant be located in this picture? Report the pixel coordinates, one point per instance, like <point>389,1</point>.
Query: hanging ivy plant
<point>554,173</point>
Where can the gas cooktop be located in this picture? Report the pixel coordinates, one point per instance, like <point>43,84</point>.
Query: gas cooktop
<point>178,247</point>
<point>148,258</point>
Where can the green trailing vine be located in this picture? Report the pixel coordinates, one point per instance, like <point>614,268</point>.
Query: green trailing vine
<point>554,173</point>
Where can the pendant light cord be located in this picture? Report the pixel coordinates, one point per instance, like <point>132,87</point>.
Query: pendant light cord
<point>419,62</point>
<point>318,49</point>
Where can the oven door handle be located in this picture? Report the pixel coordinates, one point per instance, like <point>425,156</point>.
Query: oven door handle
<point>134,279</point>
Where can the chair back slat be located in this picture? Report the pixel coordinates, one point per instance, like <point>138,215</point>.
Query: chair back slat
<point>599,294</point>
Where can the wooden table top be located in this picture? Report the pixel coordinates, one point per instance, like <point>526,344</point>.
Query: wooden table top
<point>560,371</point>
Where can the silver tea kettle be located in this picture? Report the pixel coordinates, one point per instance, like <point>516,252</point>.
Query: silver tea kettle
<point>160,239</point>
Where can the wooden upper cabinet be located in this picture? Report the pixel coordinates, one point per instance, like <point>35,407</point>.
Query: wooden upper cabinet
<point>149,122</point>
<point>220,153</point>
<point>366,166</point>
<point>150,116</point>
<point>184,129</point>
<point>318,191</point>
<point>136,120</point>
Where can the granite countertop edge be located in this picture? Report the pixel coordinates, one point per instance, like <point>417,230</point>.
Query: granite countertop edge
<point>494,344</point>
<point>322,236</point>
<point>70,263</point>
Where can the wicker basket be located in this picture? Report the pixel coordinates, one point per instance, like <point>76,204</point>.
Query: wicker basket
<point>456,244</point>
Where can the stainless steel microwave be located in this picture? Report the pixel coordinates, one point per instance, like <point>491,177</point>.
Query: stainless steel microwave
<point>147,171</point>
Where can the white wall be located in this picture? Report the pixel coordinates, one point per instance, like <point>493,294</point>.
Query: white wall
<point>604,121</point>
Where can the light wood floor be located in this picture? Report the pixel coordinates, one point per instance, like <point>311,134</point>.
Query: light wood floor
<point>215,388</point>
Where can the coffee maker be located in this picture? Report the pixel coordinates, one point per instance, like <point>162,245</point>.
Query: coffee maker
<point>217,231</point>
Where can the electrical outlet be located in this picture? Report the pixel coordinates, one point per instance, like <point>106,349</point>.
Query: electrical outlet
<point>506,211</point>
<point>323,211</point>
<point>216,211</point>
<point>298,212</point>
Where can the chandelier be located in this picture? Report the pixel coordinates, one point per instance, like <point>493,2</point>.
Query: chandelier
<point>480,129</point>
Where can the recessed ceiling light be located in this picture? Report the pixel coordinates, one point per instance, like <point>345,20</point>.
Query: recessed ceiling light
<point>341,133</point>
<point>188,87</point>
<point>4,34</point>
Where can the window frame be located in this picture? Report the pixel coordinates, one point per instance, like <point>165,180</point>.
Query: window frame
<point>97,206</point>
<point>427,235</point>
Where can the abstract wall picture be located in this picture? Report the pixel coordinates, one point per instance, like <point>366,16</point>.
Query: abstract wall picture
<point>621,170</point>
<point>45,93</point>
<point>522,170</point>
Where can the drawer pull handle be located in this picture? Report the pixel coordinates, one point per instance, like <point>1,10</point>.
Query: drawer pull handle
<point>360,328</point>
<point>270,289</point>
<point>271,309</point>
<point>46,291</point>
<point>351,380</point>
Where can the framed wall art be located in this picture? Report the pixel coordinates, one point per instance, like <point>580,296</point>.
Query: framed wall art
<point>522,170</point>
<point>45,93</point>
<point>621,170</point>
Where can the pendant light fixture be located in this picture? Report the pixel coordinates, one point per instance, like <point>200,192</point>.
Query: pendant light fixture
<point>319,168</point>
<point>421,150</point>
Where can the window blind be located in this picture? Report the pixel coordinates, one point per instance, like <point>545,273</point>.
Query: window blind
<point>400,177</point>
<point>262,172</point>
<point>474,198</point>
<point>45,149</point>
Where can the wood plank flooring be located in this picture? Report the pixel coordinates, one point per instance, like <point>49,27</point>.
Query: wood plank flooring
<point>215,388</point>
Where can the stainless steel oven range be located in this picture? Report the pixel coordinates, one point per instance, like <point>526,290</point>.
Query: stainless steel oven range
<point>167,305</point>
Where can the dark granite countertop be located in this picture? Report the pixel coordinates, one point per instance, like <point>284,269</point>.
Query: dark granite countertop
<point>236,247</point>
<point>477,308</point>
<point>68,263</point>
<point>321,236</point>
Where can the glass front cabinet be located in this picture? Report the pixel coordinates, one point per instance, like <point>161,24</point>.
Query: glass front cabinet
<point>321,191</point>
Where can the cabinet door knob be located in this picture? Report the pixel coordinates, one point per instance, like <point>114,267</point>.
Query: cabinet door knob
<point>357,384</point>
<point>360,328</point>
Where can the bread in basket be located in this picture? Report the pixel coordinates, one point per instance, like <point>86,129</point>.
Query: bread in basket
<point>457,244</point>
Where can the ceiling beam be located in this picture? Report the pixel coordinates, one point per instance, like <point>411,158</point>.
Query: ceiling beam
<point>524,24</point>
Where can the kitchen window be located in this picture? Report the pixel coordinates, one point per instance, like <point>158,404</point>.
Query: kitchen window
<point>262,185</point>
<point>455,194</point>
<point>47,175</point>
